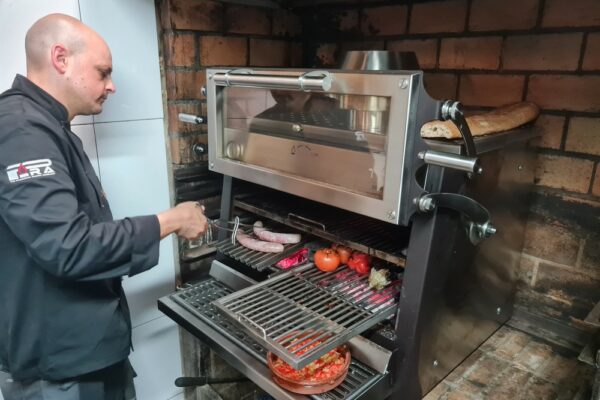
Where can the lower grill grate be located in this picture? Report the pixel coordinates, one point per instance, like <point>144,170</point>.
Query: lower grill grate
<point>301,314</point>
<point>198,300</point>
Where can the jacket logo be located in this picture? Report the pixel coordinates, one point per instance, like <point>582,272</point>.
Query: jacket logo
<point>29,169</point>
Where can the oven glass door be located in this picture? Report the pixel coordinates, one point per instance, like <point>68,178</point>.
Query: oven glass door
<point>333,139</point>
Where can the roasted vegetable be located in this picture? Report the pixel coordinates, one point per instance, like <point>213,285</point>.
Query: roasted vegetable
<point>379,278</point>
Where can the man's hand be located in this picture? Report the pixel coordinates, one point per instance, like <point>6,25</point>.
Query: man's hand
<point>186,220</point>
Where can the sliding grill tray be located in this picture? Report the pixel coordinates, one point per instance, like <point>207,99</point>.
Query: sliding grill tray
<point>382,240</point>
<point>198,299</point>
<point>302,314</point>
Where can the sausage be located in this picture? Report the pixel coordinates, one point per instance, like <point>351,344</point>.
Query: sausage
<point>275,237</point>
<point>258,245</point>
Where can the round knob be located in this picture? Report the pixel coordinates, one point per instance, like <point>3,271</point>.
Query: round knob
<point>233,150</point>
<point>199,149</point>
<point>297,128</point>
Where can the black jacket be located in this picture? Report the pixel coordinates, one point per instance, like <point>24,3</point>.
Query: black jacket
<point>62,308</point>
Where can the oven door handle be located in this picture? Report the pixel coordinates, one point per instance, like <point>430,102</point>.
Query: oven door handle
<point>477,218</point>
<point>305,222</point>
<point>308,81</point>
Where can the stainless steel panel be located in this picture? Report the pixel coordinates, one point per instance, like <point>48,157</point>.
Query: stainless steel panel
<point>478,295</point>
<point>302,314</point>
<point>399,87</point>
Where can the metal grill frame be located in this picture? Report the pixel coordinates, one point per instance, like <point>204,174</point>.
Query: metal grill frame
<point>307,308</point>
<point>198,298</point>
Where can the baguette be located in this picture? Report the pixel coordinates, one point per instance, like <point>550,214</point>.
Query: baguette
<point>498,120</point>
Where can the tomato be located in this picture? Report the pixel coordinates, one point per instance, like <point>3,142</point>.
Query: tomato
<point>327,260</point>
<point>344,253</point>
<point>360,262</point>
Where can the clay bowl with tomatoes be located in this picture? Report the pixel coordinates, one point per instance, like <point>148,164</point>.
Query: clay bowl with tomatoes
<point>320,376</point>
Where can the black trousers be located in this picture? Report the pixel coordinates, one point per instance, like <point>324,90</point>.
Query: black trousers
<point>111,383</point>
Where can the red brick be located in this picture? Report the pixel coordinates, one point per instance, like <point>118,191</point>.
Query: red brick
<point>533,356</point>
<point>492,15</point>
<point>286,23</point>
<point>438,16</point>
<point>185,85</point>
<point>565,92</point>
<point>542,52</point>
<point>526,271</point>
<point>583,135</point>
<point>591,59</point>
<point>219,50</point>
<point>568,284</point>
<point>246,19</point>
<point>386,20</point>
<point>471,53</point>
<point>513,344</point>
<point>180,50</point>
<point>327,54</point>
<point>485,370</point>
<point>551,242</point>
<point>490,90</point>
<point>425,50</point>
<point>571,13</point>
<point>552,127</point>
<point>176,126</point>
<point>559,369</point>
<point>440,86</point>
<point>567,173</point>
<point>199,15</point>
<point>182,148</point>
<point>268,53</point>
<point>596,187</point>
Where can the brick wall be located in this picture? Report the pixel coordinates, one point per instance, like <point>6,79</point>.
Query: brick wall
<point>488,53</point>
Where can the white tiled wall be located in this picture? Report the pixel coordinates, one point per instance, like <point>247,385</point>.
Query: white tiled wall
<point>129,28</point>
<point>126,146</point>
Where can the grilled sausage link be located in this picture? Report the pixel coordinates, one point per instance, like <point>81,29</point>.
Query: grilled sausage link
<point>275,237</point>
<point>258,245</point>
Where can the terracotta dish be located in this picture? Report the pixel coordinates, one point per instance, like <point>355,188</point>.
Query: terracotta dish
<point>320,376</point>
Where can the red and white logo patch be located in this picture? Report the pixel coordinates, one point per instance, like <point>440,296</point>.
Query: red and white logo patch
<point>29,169</point>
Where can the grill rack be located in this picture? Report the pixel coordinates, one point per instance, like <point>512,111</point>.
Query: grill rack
<point>198,299</point>
<point>258,260</point>
<point>302,314</point>
<point>384,241</point>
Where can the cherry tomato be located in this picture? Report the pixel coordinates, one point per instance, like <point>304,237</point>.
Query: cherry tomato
<point>360,262</point>
<point>327,260</point>
<point>344,253</point>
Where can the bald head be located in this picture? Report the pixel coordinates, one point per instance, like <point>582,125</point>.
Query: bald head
<point>70,61</point>
<point>50,30</point>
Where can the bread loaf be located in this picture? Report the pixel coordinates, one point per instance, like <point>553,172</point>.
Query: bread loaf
<point>498,120</point>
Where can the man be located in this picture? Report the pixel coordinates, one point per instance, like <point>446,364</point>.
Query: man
<point>65,331</point>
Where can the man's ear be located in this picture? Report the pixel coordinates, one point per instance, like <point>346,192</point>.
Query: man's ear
<point>59,56</point>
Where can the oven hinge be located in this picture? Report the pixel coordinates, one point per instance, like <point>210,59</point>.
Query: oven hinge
<point>476,218</point>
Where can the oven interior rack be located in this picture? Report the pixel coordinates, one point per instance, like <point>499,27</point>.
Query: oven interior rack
<point>198,300</point>
<point>302,314</point>
<point>384,241</point>
<point>256,259</point>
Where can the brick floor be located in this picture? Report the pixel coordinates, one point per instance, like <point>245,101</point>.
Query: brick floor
<point>513,365</point>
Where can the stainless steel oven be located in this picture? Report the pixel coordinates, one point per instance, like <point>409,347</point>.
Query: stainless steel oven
<point>337,157</point>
